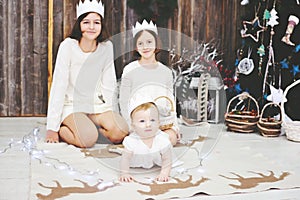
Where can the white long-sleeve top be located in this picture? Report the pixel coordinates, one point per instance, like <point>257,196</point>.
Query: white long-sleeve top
<point>138,81</point>
<point>82,82</point>
<point>142,155</point>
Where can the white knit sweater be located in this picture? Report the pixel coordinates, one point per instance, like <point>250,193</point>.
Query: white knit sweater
<point>140,82</point>
<point>82,82</point>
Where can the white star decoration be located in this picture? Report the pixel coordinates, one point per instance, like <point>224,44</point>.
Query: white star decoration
<point>244,32</point>
<point>276,95</point>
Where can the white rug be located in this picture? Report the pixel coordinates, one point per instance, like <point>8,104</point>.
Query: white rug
<point>230,163</point>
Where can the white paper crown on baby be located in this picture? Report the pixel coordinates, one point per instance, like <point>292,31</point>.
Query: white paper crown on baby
<point>136,100</point>
<point>90,6</point>
<point>144,26</point>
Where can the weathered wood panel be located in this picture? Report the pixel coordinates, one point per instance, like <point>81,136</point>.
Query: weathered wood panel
<point>199,20</point>
<point>12,25</point>
<point>69,15</point>
<point>3,61</point>
<point>26,62</point>
<point>209,21</point>
<point>40,55</point>
<point>58,26</point>
<point>22,77</point>
<point>115,23</point>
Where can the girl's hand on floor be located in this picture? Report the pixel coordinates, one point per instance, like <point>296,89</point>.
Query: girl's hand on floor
<point>51,137</point>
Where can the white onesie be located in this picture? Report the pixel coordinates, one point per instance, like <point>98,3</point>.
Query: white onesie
<point>143,156</point>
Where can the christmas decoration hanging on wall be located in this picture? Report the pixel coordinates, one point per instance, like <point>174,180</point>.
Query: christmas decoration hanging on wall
<point>276,95</point>
<point>254,25</point>
<point>272,21</point>
<point>244,2</point>
<point>273,18</point>
<point>292,22</point>
<point>261,52</point>
<point>246,65</point>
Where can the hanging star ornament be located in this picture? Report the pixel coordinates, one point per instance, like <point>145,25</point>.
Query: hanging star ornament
<point>276,95</point>
<point>236,62</point>
<point>297,48</point>
<point>254,31</point>
<point>284,64</point>
<point>295,70</point>
<point>238,88</point>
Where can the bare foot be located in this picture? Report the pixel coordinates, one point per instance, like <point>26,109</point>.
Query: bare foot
<point>51,137</point>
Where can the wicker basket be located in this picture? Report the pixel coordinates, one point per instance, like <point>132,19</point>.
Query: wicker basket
<point>167,115</point>
<point>243,121</point>
<point>267,126</point>
<point>291,129</point>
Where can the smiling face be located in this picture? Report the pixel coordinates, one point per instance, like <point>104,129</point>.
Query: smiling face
<point>91,26</point>
<point>145,120</point>
<point>146,45</point>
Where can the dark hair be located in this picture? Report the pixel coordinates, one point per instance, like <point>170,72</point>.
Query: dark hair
<point>136,55</point>
<point>77,34</point>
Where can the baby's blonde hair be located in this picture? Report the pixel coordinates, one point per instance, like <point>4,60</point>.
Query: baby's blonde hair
<point>144,106</point>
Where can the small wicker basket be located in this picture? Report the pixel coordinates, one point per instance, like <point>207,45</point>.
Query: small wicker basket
<point>168,115</point>
<point>243,121</point>
<point>267,126</point>
<point>291,129</point>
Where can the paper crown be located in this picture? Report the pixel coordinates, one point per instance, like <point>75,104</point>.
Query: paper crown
<point>144,26</point>
<point>90,6</point>
<point>136,100</point>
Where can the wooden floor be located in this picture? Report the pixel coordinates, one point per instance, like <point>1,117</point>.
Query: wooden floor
<point>15,171</point>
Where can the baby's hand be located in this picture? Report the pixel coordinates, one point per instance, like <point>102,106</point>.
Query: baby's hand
<point>162,178</point>
<point>126,178</point>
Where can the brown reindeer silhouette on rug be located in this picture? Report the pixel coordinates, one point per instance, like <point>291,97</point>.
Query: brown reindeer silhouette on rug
<point>58,191</point>
<point>156,189</point>
<point>251,182</point>
<point>102,153</point>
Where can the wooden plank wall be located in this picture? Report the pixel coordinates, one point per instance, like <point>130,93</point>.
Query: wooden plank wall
<point>23,57</point>
<point>24,48</point>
